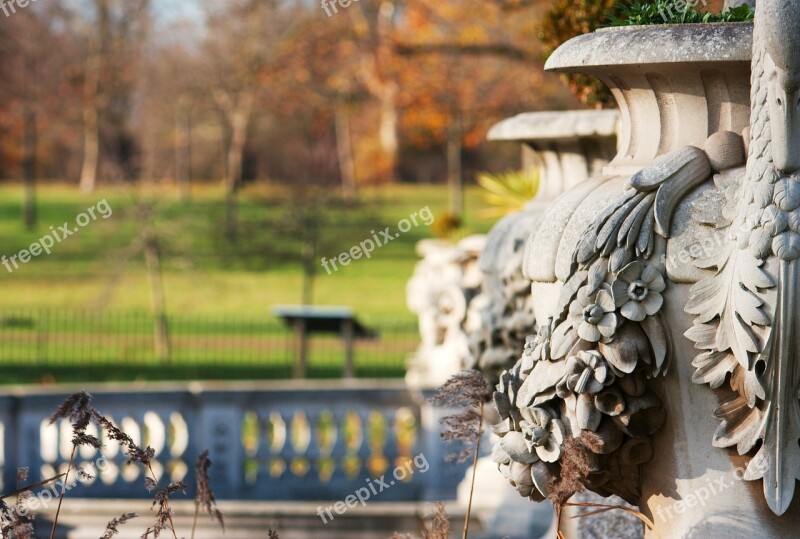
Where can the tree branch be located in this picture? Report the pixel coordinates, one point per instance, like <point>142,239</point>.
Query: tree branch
<point>492,49</point>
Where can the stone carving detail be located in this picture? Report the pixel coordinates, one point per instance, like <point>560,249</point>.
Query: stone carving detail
<point>564,148</point>
<point>441,293</point>
<point>505,304</point>
<point>746,312</point>
<point>590,368</point>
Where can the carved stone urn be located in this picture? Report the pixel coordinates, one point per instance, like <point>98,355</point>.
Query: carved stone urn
<point>666,290</point>
<point>564,148</point>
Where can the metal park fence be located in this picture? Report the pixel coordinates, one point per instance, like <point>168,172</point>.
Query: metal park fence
<point>107,345</point>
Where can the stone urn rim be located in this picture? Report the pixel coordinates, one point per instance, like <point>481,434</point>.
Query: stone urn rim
<point>696,43</point>
<point>675,85</point>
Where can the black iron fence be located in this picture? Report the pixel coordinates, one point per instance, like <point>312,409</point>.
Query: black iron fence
<point>36,345</point>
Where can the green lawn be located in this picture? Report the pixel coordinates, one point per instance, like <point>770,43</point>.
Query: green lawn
<point>203,272</point>
<point>227,285</point>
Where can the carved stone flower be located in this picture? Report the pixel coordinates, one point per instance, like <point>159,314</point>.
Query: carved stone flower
<point>637,290</point>
<point>587,372</point>
<point>530,479</point>
<point>587,375</point>
<point>505,398</point>
<point>593,314</point>
<point>537,347</point>
<point>543,433</point>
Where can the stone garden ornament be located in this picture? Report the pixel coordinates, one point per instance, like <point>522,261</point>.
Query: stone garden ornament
<point>748,312</point>
<point>442,293</point>
<point>682,261</point>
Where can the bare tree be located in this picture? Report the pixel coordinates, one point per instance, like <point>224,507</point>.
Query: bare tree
<point>374,33</point>
<point>26,52</point>
<point>113,40</point>
<point>245,45</point>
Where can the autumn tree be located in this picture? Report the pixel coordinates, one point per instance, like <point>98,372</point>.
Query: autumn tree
<point>374,37</point>
<point>245,48</point>
<point>23,58</point>
<point>467,64</point>
<point>175,106</point>
<point>112,35</point>
<point>35,57</point>
<point>272,90</point>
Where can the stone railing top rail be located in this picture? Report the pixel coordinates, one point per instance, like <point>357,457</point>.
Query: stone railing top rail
<point>202,387</point>
<point>552,125</point>
<point>658,44</point>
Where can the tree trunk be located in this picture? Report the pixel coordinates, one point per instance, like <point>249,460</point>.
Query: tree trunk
<point>454,172</point>
<point>157,303</point>
<point>344,149</point>
<point>183,150</point>
<point>388,88</point>
<point>231,206</point>
<point>309,271</point>
<point>376,74</point>
<point>236,151</point>
<point>388,128</point>
<point>98,39</point>
<point>29,169</point>
<point>91,145</point>
<point>238,114</point>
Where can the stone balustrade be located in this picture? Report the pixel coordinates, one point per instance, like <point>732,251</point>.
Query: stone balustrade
<point>268,441</point>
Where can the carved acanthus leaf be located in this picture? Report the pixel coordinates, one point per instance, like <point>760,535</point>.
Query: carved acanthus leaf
<point>732,301</point>
<point>746,314</point>
<point>712,367</point>
<point>741,425</point>
<point>778,460</point>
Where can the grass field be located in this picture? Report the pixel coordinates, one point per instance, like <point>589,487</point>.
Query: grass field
<point>203,272</point>
<point>100,270</point>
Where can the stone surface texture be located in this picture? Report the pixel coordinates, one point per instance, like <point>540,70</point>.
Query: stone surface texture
<point>441,292</point>
<point>497,319</point>
<point>675,269</point>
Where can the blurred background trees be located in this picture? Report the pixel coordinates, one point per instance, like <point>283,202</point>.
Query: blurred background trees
<point>168,92</point>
